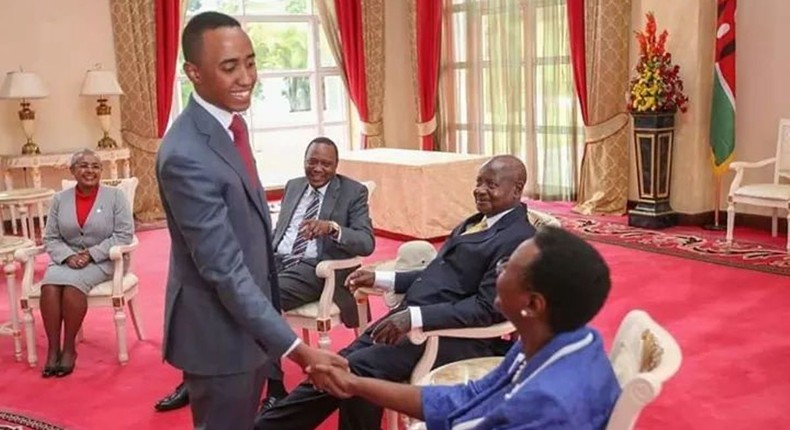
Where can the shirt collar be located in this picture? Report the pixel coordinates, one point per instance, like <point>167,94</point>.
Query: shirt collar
<point>321,190</point>
<point>221,115</point>
<point>490,221</point>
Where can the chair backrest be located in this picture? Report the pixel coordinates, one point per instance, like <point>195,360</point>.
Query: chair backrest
<point>371,186</point>
<point>644,356</point>
<point>782,169</point>
<point>127,185</point>
<point>538,218</point>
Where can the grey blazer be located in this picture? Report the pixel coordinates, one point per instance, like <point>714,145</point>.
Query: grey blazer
<point>219,317</point>
<point>109,223</point>
<point>346,203</point>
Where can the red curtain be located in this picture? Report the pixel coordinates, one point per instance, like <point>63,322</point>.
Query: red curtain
<point>428,37</point>
<point>168,28</point>
<point>578,49</point>
<point>349,22</point>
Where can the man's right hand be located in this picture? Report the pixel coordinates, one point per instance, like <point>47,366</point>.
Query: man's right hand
<point>360,278</point>
<point>306,357</point>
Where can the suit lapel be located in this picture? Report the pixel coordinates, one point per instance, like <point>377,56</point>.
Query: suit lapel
<point>482,236</point>
<point>221,143</point>
<point>290,201</point>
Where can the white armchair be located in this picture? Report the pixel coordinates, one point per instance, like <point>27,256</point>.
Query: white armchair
<point>775,195</point>
<point>324,314</point>
<point>116,293</point>
<point>644,356</point>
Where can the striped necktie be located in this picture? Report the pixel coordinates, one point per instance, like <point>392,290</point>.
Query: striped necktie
<point>300,244</point>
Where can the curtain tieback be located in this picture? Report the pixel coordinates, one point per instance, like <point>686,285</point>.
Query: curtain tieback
<point>371,128</point>
<point>426,128</point>
<point>602,130</point>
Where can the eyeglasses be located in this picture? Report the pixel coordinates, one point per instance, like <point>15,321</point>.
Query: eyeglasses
<point>501,264</point>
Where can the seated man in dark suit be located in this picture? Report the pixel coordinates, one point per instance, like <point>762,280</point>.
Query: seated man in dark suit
<point>457,289</point>
<point>324,216</point>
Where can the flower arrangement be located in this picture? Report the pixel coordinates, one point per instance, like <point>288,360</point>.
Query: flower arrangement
<point>656,86</point>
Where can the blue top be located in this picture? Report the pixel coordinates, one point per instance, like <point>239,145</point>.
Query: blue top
<point>568,384</point>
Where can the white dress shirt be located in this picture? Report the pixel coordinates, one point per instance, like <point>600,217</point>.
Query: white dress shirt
<point>385,279</point>
<point>225,118</point>
<point>289,237</point>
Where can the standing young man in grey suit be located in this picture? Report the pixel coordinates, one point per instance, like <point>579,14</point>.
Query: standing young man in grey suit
<point>334,227</point>
<point>222,326</point>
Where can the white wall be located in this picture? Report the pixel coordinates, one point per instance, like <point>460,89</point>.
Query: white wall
<point>59,40</point>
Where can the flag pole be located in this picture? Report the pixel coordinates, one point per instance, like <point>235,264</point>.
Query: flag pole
<point>716,206</point>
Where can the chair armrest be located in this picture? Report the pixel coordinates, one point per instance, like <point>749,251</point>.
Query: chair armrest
<point>27,257</point>
<point>417,336</point>
<point>326,270</point>
<point>391,299</point>
<point>740,165</point>
<point>117,251</point>
<point>28,254</point>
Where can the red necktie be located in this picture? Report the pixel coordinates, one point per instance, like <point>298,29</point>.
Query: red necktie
<point>242,141</point>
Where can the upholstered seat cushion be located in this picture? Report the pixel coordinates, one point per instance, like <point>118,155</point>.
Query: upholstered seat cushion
<point>310,310</point>
<point>779,192</point>
<point>103,289</point>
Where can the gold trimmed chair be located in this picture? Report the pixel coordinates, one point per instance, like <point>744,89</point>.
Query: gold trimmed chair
<point>775,195</point>
<point>116,293</point>
<point>324,314</point>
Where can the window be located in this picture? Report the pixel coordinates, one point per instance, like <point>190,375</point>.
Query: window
<point>300,93</point>
<point>512,82</point>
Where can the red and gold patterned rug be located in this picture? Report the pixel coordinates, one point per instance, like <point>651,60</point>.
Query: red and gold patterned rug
<point>14,421</point>
<point>685,243</point>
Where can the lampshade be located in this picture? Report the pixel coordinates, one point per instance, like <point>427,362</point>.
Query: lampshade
<point>101,83</point>
<point>23,85</point>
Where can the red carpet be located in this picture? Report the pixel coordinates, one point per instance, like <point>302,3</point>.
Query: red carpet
<point>735,373</point>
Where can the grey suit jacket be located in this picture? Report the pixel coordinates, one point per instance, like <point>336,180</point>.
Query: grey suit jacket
<point>219,317</point>
<point>109,223</point>
<point>346,203</point>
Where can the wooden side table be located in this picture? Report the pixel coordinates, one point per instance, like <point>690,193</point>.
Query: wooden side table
<point>9,245</point>
<point>29,204</point>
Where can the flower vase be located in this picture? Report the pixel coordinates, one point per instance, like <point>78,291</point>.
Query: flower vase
<point>653,138</point>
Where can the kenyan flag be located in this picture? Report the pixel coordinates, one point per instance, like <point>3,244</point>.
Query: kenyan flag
<point>722,117</point>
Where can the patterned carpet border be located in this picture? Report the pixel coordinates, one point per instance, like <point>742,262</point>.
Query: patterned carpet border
<point>12,421</point>
<point>743,254</point>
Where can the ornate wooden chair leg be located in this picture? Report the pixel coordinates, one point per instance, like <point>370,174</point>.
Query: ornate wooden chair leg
<point>30,336</point>
<point>120,332</point>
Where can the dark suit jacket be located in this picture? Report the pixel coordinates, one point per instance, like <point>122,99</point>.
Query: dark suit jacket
<point>458,287</point>
<point>346,203</point>
<point>219,318</point>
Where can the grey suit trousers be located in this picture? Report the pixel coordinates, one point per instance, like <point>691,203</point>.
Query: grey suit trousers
<point>227,402</point>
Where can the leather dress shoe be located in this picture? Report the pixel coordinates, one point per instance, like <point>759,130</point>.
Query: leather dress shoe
<point>175,400</point>
<point>267,403</point>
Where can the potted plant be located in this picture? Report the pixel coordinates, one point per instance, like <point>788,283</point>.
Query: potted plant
<point>655,95</point>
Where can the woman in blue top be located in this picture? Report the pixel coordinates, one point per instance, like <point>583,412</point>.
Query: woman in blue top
<point>556,377</point>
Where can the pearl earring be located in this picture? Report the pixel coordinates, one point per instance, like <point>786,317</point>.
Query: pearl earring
<point>525,313</point>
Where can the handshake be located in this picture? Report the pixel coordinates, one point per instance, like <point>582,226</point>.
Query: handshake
<point>326,370</point>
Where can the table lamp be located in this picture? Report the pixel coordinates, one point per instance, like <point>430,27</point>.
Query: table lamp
<point>25,86</point>
<point>102,83</point>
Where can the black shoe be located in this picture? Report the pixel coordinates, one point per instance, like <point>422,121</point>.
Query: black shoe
<point>175,400</point>
<point>49,371</point>
<point>267,403</point>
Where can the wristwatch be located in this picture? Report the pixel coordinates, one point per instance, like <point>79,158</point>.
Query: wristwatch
<point>335,229</point>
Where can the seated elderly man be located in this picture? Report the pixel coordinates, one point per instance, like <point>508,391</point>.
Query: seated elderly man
<point>457,289</point>
<point>324,216</point>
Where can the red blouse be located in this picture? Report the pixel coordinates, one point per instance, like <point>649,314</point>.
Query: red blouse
<point>84,204</point>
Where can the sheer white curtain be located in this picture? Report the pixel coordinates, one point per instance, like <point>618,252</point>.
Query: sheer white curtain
<point>507,88</point>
